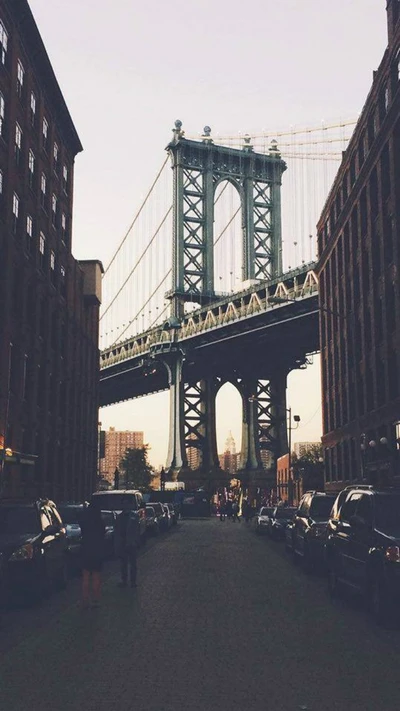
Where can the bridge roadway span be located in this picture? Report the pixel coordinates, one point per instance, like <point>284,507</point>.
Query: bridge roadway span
<point>240,333</point>
<point>220,621</point>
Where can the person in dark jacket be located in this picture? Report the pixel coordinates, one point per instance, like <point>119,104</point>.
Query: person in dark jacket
<point>93,536</point>
<point>126,541</point>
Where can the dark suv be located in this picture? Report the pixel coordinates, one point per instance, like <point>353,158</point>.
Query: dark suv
<point>363,548</point>
<point>33,547</point>
<point>309,527</point>
<point>123,500</point>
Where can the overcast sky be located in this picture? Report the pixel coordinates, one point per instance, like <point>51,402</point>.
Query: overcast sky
<point>128,69</point>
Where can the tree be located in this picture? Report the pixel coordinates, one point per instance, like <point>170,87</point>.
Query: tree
<point>310,467</point>
<point>138,472</point>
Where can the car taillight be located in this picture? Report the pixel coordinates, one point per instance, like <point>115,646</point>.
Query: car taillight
<point>393,554</point>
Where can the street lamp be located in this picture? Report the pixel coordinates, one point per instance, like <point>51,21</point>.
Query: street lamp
<point>296,419</point>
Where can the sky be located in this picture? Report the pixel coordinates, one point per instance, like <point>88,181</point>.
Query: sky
<point>128,69</point>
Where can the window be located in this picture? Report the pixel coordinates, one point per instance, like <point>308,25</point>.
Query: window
<point>52,266</point>
<point>54,210</point>
<point>15,211</point>
<point>64,228</point>
<point>43,188</point>
<point>349,507</point>
<point>3,43</point>
<point>18,143</point>
<point>29,226</point>
<point>42,248</point>
<point>364,509</point>
<point>386,98</point>
<point>65,179</point>
<point>397,61</point>
<point>56,152</point>
<point>2,113</point>
<point>1,182</point>
<point>31,168</point>
<point>20,78</point>
<point>63,290</point>
<point>45,134</point>
<point>33,108</point>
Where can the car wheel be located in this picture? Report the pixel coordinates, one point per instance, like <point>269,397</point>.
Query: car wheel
<point>333,581</point>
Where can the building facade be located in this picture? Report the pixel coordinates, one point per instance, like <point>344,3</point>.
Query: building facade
<point>49,302</point>
<point>115,445</point>
<point>359,247</point>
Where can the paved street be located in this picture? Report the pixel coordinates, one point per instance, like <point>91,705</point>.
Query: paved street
<point>220,620</point>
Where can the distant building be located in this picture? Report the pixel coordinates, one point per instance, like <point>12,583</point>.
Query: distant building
<point>193,454</point>
<point>49,301</point>
<point>266,455</point>
<point>301,448</point>
<point>228,461</point>
<point>359,268</point>
<point>115,445</point>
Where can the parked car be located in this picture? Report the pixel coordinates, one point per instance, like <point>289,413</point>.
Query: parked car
<point>70,515</point>
<point>168,515</point>
<point>160,514</point>
<point>278,521</point>
<point>363,548</point>
<point>309,528</point>
<point>173,512</point>
<point>123,500</point>
<point>261,519</point>
<point>152,520</point>
<point>33,547</point>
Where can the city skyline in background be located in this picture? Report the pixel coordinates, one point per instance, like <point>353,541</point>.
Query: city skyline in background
<point>154,83</point>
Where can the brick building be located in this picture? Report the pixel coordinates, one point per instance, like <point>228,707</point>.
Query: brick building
<point>49,302</point>
<point>115,445</point>
<point>359,247</point>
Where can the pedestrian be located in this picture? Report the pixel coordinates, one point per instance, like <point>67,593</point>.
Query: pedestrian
<point>228,508</point>
<point>246,510</point>
<point>222,510</point>
<point>93,538</point>
<point>235,512</point>
<point>126,541</point>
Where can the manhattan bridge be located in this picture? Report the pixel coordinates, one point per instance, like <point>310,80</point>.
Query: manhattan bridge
<point>215,282</point>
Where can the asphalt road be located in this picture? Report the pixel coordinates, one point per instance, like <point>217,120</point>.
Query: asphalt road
<point>220,620</point>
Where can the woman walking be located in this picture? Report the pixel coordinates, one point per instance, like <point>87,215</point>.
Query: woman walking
<point>93,534</point>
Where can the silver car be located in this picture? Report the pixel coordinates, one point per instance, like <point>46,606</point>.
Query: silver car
<point>262,518</point>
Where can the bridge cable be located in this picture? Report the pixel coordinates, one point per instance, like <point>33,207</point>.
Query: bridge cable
<point>137,263</point>
<point>137,215</point>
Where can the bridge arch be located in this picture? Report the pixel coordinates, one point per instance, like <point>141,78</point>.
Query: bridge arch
<point>228,236</point>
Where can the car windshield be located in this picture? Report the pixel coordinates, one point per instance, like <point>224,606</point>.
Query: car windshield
<point>14,519</point>
<point>321,506</point>
<point>284,512</point>
<point>265,511</point>
<point>116,502</point>
<point>69,514</point>
<point>387,512</point>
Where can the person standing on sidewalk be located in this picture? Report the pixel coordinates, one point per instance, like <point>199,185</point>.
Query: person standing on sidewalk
<point>126,541</point>
<point>93,538</point>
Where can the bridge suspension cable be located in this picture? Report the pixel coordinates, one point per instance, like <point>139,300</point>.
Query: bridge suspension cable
<point>154,183</point>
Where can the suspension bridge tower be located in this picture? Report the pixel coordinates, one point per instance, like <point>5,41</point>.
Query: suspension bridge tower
<point>199,167</point>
